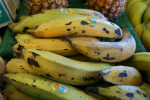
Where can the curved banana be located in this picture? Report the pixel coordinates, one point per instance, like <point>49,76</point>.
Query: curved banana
<point>132,5</point>
<point>121,75</point>
<point>139,61</point>
<point>63,69</point>
<point>11,93</point>
<point>58,46</point>
<point>141,28</point>
<point>45,89</point>
<point>78,27</point>
<point>122,92</point>
<point>108,51</point>
<point>18,65</point>
<point>145,39</point>
<point>36,20</point>
<point>136,16</point>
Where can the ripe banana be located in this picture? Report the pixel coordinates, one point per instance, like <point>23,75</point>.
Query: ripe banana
<point>136,16</point>
<point>121,75</point>
<point>25,36</point>
<point>108,51</point>
<point>141,28</point>
<point>139,61</point>
<point>45,89</point>
<point>122,92</point>
<point>131,6</point>
<point>145,39</point>
<point>78,27</point>
<point>63,69</point>
<point>18,65</point>
<point>146,15</point>
<point>34,21</point>
<point>58,46</point>
<point>11,93</point>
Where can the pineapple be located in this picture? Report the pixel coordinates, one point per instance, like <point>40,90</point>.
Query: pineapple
<point>39,6</point>
<point>110,8</point>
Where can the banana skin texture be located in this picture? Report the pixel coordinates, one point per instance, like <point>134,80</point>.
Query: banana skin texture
<point>57,45</point>
<point>108,51</point>
<point>123,92</point>
<point>45,89</point>
<point>11,93</point>
<point>33,21</point>
<point>81,26</point>
<point>18,65</point>
<point>63,69</point>
<point>121,75</point>
<point>139,61</point>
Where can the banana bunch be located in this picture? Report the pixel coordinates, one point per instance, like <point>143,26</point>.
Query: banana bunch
<point>59,51</point>
<point>138,12</point>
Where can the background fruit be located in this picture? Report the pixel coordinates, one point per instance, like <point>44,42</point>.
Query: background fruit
<point>110,8</point>
<point>38,6</point>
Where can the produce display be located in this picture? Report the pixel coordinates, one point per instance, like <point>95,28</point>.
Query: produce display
<point>138,12</point>
<point>75,54</point>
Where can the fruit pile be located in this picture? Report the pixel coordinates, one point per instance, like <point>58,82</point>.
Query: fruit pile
<point>74,54</point>
<point>138,12</point>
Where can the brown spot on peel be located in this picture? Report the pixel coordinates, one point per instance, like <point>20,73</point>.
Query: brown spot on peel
<point>32,62</point>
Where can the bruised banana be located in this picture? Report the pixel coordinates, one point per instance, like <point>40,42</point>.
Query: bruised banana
<point>78,27</point>
<point>11,93</point>
<point>58,46</point>
<point>139,61</point>
<point>18,65</point>
<point>45,89</point>
<point>122,92</point>
<point>63,69</point>
<point>108,51</point>
<point>36,20</point>
<point>121,75</point>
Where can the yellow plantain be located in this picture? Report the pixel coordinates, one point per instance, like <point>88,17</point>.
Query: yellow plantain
<point>108,51</point>
<point>18,65</point>
<point>58,46</point>
<point>63,69</point>
<point>121,75</point>
<point>34,21</point>
<point>78,27</point>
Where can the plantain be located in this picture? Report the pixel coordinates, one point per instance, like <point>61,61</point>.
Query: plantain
<point>18,65</point>
<point>63,69</point>
<point>45,89</point>
<point>57,45</point>
<point>108,51</point>
<point>121,75</point>
<point>78,27</point>
<point>122,92</point>
<point>36,20</point>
